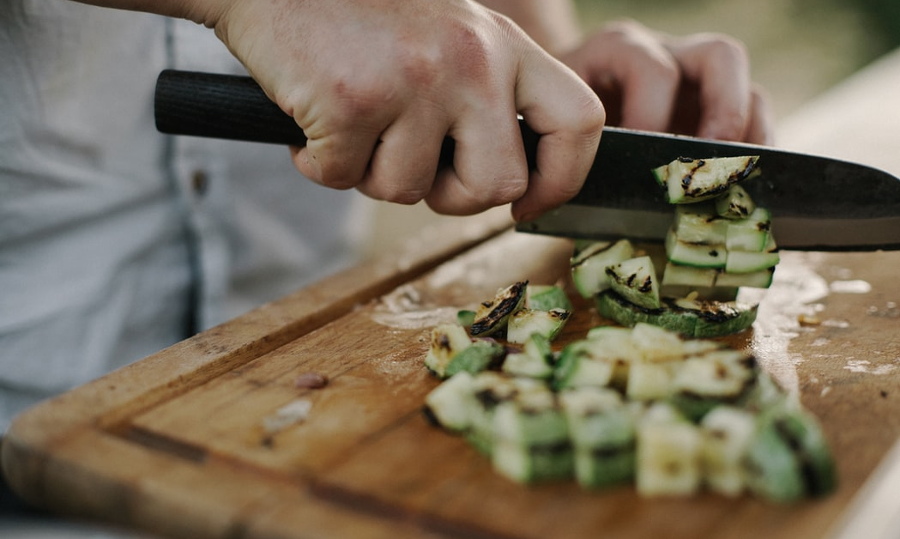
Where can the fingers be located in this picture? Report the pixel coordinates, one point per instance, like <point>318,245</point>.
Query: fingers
<point>630,69</point>
<point>405,162</point>
<point>720,67</point>
<point>762,121</point>
<point>569,117</point>
<point>698,85</point>
<point>489,166</point>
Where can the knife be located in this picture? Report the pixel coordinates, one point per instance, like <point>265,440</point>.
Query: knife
<point>817,203</point>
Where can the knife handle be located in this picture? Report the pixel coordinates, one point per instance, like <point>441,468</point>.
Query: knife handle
<point>234,107</point>
<point>220,106</point>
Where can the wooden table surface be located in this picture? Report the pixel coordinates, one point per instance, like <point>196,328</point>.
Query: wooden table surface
<point>183,443</point>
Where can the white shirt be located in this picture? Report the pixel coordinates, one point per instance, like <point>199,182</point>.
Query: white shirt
<point>115,240</point>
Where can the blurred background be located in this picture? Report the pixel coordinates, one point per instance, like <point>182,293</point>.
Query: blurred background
<point>798,50</point>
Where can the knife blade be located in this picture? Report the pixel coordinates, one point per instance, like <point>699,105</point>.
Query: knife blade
<point>817,203</point>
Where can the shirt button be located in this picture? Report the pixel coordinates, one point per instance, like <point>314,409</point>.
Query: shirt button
<point>199,182</point>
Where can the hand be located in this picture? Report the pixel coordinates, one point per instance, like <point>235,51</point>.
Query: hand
<point>377,85</point>
<point>696,85</point>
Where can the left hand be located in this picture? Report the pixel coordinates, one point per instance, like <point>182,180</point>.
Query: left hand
<point>695,85</point>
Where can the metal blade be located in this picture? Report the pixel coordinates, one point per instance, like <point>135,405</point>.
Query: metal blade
<point>817,203</point>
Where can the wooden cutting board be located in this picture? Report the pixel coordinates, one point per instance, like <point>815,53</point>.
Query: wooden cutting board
<point>187,443</point>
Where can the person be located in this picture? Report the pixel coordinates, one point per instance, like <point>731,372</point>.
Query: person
<point>116,241</point>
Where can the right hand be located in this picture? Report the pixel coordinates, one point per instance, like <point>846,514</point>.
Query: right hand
<point>377,85</point>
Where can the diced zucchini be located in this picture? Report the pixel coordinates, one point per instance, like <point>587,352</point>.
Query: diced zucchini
<point>735,203</point>
<point>447,340</point>
<point>535,360</point>
<point>689,276</point>
<point>749,234</point>
<point>524,464</point>
<point>706,381</point>
<point>754,279</point>
<point>465,317</point>
<point>450,404</point>
<point>698,255</point>
<point>635,280</point>
<point>668,456</point>
<point>526,322</point>
<point>531,418</point>
<point>547,298</point>
<point>745,262</point>
<point>531,438</point>
<point>692,180</point>
<point>602,431</point>
<point>491,316</point>
<point>650,380</point>
<point>481,355</point>
<point>699,223</point>
<point>726,433</point>
<point>655,343</point>
<point>578,365</point>
<point>589,265</point>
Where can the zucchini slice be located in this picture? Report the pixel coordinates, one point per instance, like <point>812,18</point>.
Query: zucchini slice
<point>692,180</point>
<point>691,318</point>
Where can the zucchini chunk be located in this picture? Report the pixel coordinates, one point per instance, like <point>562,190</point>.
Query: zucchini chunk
<point>491,316</point>
<point>735,203</point>
<point>699,223</point>
<point>788,458</point>
<point>547,298</point>
<point>450,404</point>
<point>698,255</point>
<point>668,454</point>
<point>535,360</point>
<point>750,234</point>
<point>635,280</point>
<point>602,430</point>
<point>531,438</point>
<point>693,180</point>
<point>447,340</point>
<point>589,265</point>
<point>726,432</point>
<point>526,322</point>
<point>482,354</point>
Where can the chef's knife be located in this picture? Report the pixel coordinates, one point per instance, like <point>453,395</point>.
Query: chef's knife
<point>817,203</point>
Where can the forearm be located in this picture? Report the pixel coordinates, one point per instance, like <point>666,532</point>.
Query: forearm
<point>551,23</point>
<point>199,11</point>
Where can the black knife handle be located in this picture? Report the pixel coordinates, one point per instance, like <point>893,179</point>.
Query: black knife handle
<point>235,107</point>
<point>220,106</point>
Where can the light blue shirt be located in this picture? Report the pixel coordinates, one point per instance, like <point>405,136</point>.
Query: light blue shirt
<point>115,240</point>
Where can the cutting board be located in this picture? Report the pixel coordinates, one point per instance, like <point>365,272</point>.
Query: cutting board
<point>190,442</point>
